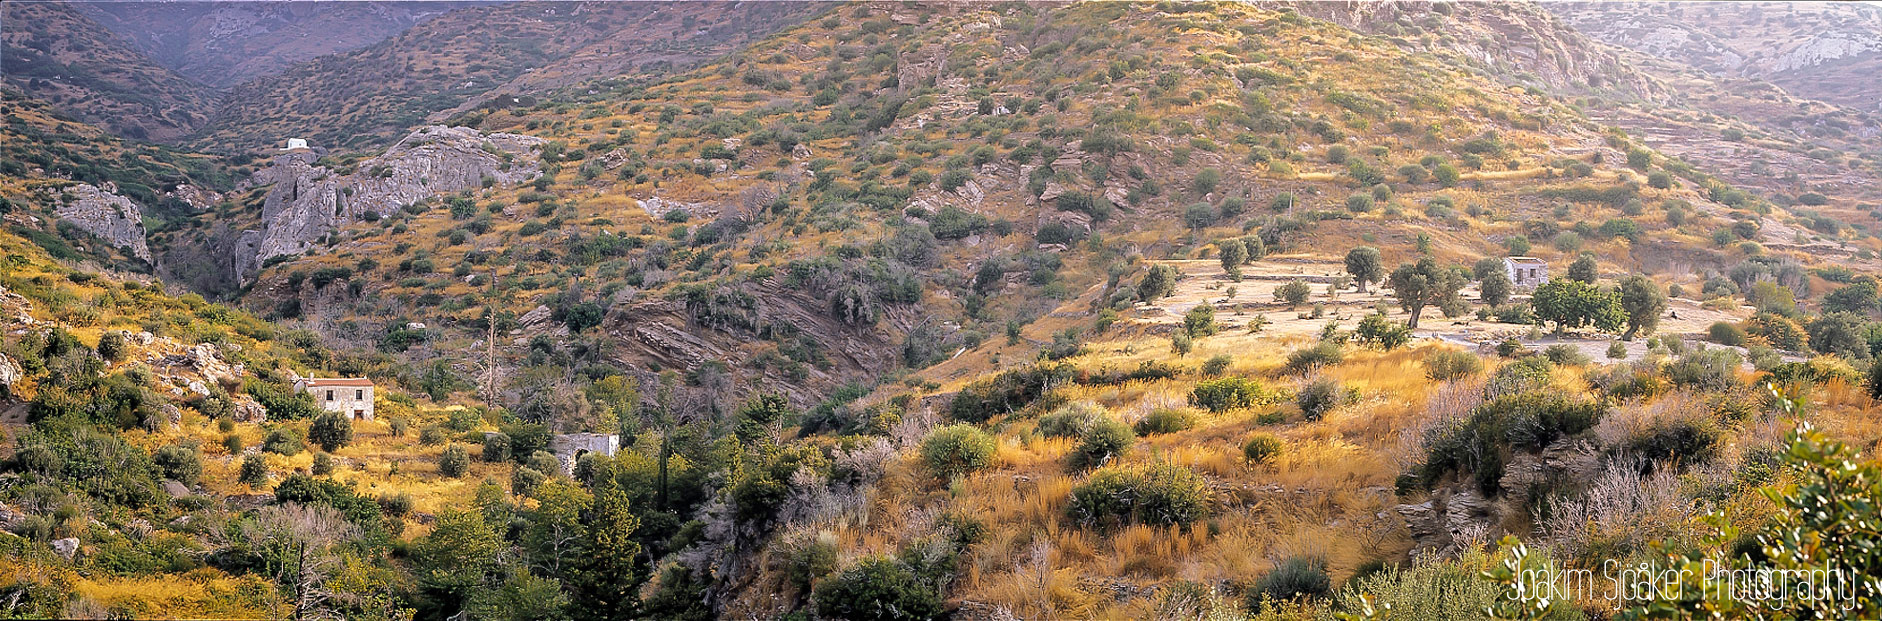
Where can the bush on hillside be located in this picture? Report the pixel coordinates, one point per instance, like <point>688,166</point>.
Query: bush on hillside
<point>1480,444</point>
<point>876,589</point>
<point>1447,364</point>
<point>1166,420</point>
<point>1161,495</point>
<point>1295,578</point>
<point>1071,420</point>
<point>1320,396</point>
<point>1228,393</point>
<point>331,430</point>
<point>454,461</point>
<point>1261,448</point>
<point>179,463</point>
<point>958,449</point>
<point>1105,439</point>
<point>1324,353</point>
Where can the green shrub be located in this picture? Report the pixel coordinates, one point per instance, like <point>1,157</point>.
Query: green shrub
<point>1383,333</point>
<point>1726,333</point>
<point>1162,494</point>
<point>396,505</point>
<point>331,430</point>
<point>1071,420</point>
<point>1227,393</point>
<point>1261,448</point>
<point>1323,353</point>
<point>1521,375</point>
<point>1566,355</point>
<point>282,402</point>
<point>1320,397</point>
<point>958,449</point>
<point>1691,439</point>
<point>1448,364</point>
<point>323,464</point>
<point>877,589</point>
<point>283,441</point>
<point>1217,364</point>
<point>1294,293</point>
<point>454,461</point>
<point>1295,578</point>
<point>1104,439</point>
<point>496,448</point>
<point>1004,393</point>
<point>807,559</point>
<point>1710,370</point>
<point>179,463</point>
<point>254,471</point>
<point>431,436</point>
<point>1617,350</point>
<point>1166,420</point>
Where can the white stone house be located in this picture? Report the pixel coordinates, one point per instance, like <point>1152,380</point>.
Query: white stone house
<point>569,448</point>
<point>350,396</point>
<point>1526,272</point>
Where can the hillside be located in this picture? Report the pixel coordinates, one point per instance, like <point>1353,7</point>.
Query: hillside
<point>71,61</point>
<point>1518,43</point>
<point>945,197</point>
<point>1823,51</point>
<point>222,44</point>
<point>368,96</point>
<point>897,310</point>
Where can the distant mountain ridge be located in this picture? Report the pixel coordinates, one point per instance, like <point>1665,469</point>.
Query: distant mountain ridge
<point>373,95</point>
<point>53,51</point>
<point>1830,51</point>
<point>222,44</point>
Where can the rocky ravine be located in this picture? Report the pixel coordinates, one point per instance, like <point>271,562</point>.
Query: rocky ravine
<point>306,202</point>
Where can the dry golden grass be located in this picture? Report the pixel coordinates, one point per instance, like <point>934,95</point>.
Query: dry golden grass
<point>200,594</point>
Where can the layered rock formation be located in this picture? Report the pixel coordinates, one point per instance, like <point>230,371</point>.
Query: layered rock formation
<point>307,201</point>
<point>1519,42</point>
<point>101,212</point>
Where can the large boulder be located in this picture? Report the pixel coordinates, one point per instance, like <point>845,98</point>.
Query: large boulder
<point>66,548</point>
<point>101,212</point>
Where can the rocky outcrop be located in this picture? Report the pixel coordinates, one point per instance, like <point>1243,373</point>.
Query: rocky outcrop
<point>101,212</point>
<point>10,374</point>
<point>197,198</point>
<point>1449,523</point>
<point>66,548</point>
<point>307,202</point>
<point>1826,51</point>
<point>1520,42</point>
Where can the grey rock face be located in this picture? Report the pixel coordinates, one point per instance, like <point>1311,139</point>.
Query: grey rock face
<point>101,212</point>
<point>308,202</point>
<point>10,372</point>
<point>176,489</point>
<point>66,548</point>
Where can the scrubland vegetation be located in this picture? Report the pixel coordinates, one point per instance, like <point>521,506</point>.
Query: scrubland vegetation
<point>1099,311</point>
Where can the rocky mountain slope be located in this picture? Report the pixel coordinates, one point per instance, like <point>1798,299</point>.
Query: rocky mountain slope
<point>306,203</point>
<point>922,307</point>
<point>1518,42</point>
<point>931,177</point>
<point>372,95</point>
<point>82,192</point>
<point>1824,51</point>
<point>54,52</point>
<point>222,44</point>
